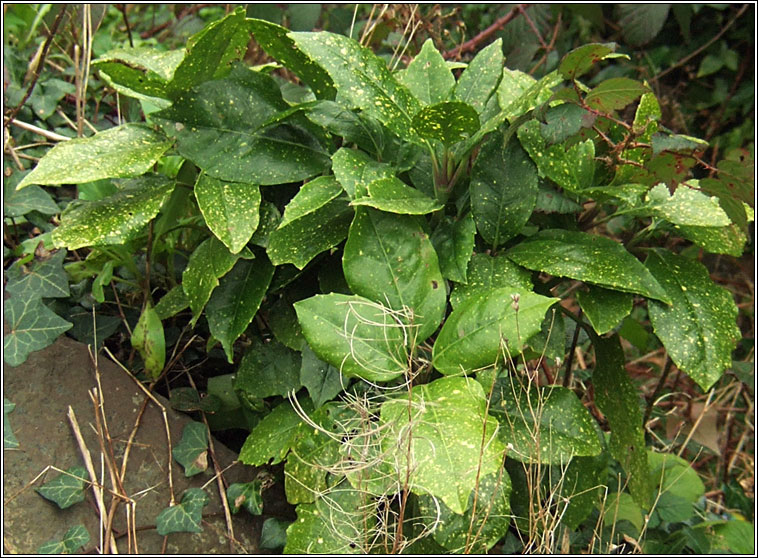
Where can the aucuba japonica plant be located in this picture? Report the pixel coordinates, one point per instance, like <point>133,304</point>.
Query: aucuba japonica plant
<point>394,261</point>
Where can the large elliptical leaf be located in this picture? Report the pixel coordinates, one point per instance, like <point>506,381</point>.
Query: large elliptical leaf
<point>236,300</point>
<point>355,170</point>
<point>448,122</point>
<point>453,241</point>
<point>503,190</point>
<point>316,219</point>
<point>124,151</point>
<point>390,259</point>
<point>428,76</point>
<point>699,329</point>
<point>273,436</point>
<point>481,77</point>
<point>486,272</point>
<point>268,369</point>
<point>149,340</point>
<point>230,209</point>
<point>140,72</point>
<point>615,93</point>
<point>448,436</point>
<point>355,335</point>
<point>394,196</point>
<point>580,60</point>
<point>604,308</point>
<point>207,263</point>
<point>586,257</point>
<point>115,219</point>
<point>222,127</point>
<point>362,79</point>
<point>486,328</point>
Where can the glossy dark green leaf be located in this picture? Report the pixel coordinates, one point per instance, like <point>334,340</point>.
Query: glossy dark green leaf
<point>355,128</point>
<point>221,126</point>
<point>247,495</point>
<point>274,533</point>
<point>503,190</point>
<point>268,369</point>
<point>116,219</point>
<point>322,380</point>
<point>67,488</point>
<point>33,326</point>
<point>604,308</point>
<point>172,303</point>
<point>686,206</point>
<point>267,222</point>
<point>230,209</point>
<point>282,320</point>
<point>453,240</point>
<point>394,196</point>
<point>355,170</point>
<point>448,122</point>
<point>355,335</point>
<point>580,60</point>
<point>582,484</point>
<point>43,279</point>
<point>619,401</point>
<point>187,400</point>
<point>274,40</point>
<point>481,77</point>
<point>235,301</point>
<point>452,443</point>
<point>587,257</point>
<point>640,23</point>
<point>487,272</point>
<point>210,260</point>
<point>717,240</point>
<point>390,260</point>
<point>316,219</point>
<point>550,200</point>
<point>699,329</point>
<point>9,438</point>
<point>615,93</point>
<point>73,540</point>
<point>185,517</point>
<point>336,523</point>
<point>123,151</point>
<point>488,524</point>
<point>428,76</point>
<point>518,92</point>
<point>362,78</point>
<point>192,451</point>
<point>485,328</point>
<point>140,72</point>
<point>543,425</point>
<point>572,168</point>
<point>148,339</point>
<point>563,121</point>
<point>211,52</point>
<point>272,437</point>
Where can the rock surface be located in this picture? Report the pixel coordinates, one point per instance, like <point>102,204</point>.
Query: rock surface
<point>43,388</point>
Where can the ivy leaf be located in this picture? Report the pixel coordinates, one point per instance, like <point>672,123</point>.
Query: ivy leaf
<point>123,151</point>
<point>273,436</point>
<point>210,260</point>
<point>390,259</point>
<point>67,488</point>
<point>355,335</point>
<point>234,303</point>
<point>448,122</point>
<point>453,240</point>
<point>448,415</point>
<point>484,324</point>
<point>355,171</point>
<point>587,257</point>
<point>274,533</point>
<point>545,425</point>
<point>428,76</point>
<point>394,196</point>
<point>185,517</point>
<point>572,168</point>
<point>274,40</point>
<point>503,190</point>
<point>149,340</point>
<point>363,79</point>
<point>315,220</point>
<point>604,308</point>
<point>222,127</point>
<point>33,326</point>
<point>618,400</point>
<point>74,539</point>
<point>322,380</point>
<point>481,77</point>
<point>580,60</point>
<point>686,206</point>
<point>489,524</point>
<point>116,219</point>
<point>487,272</point>
<point>336,523</point>
<point>615,93</point>
<point>268,369</point>
<point>699,329</point>
<point>230,209</point>
<point>9,438</point>
<point>31,198</point>
<point>44,279</point>
<point>640,23</point>
<point>192,451</point>
<point>211,51</point>
<point>247,494</point>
